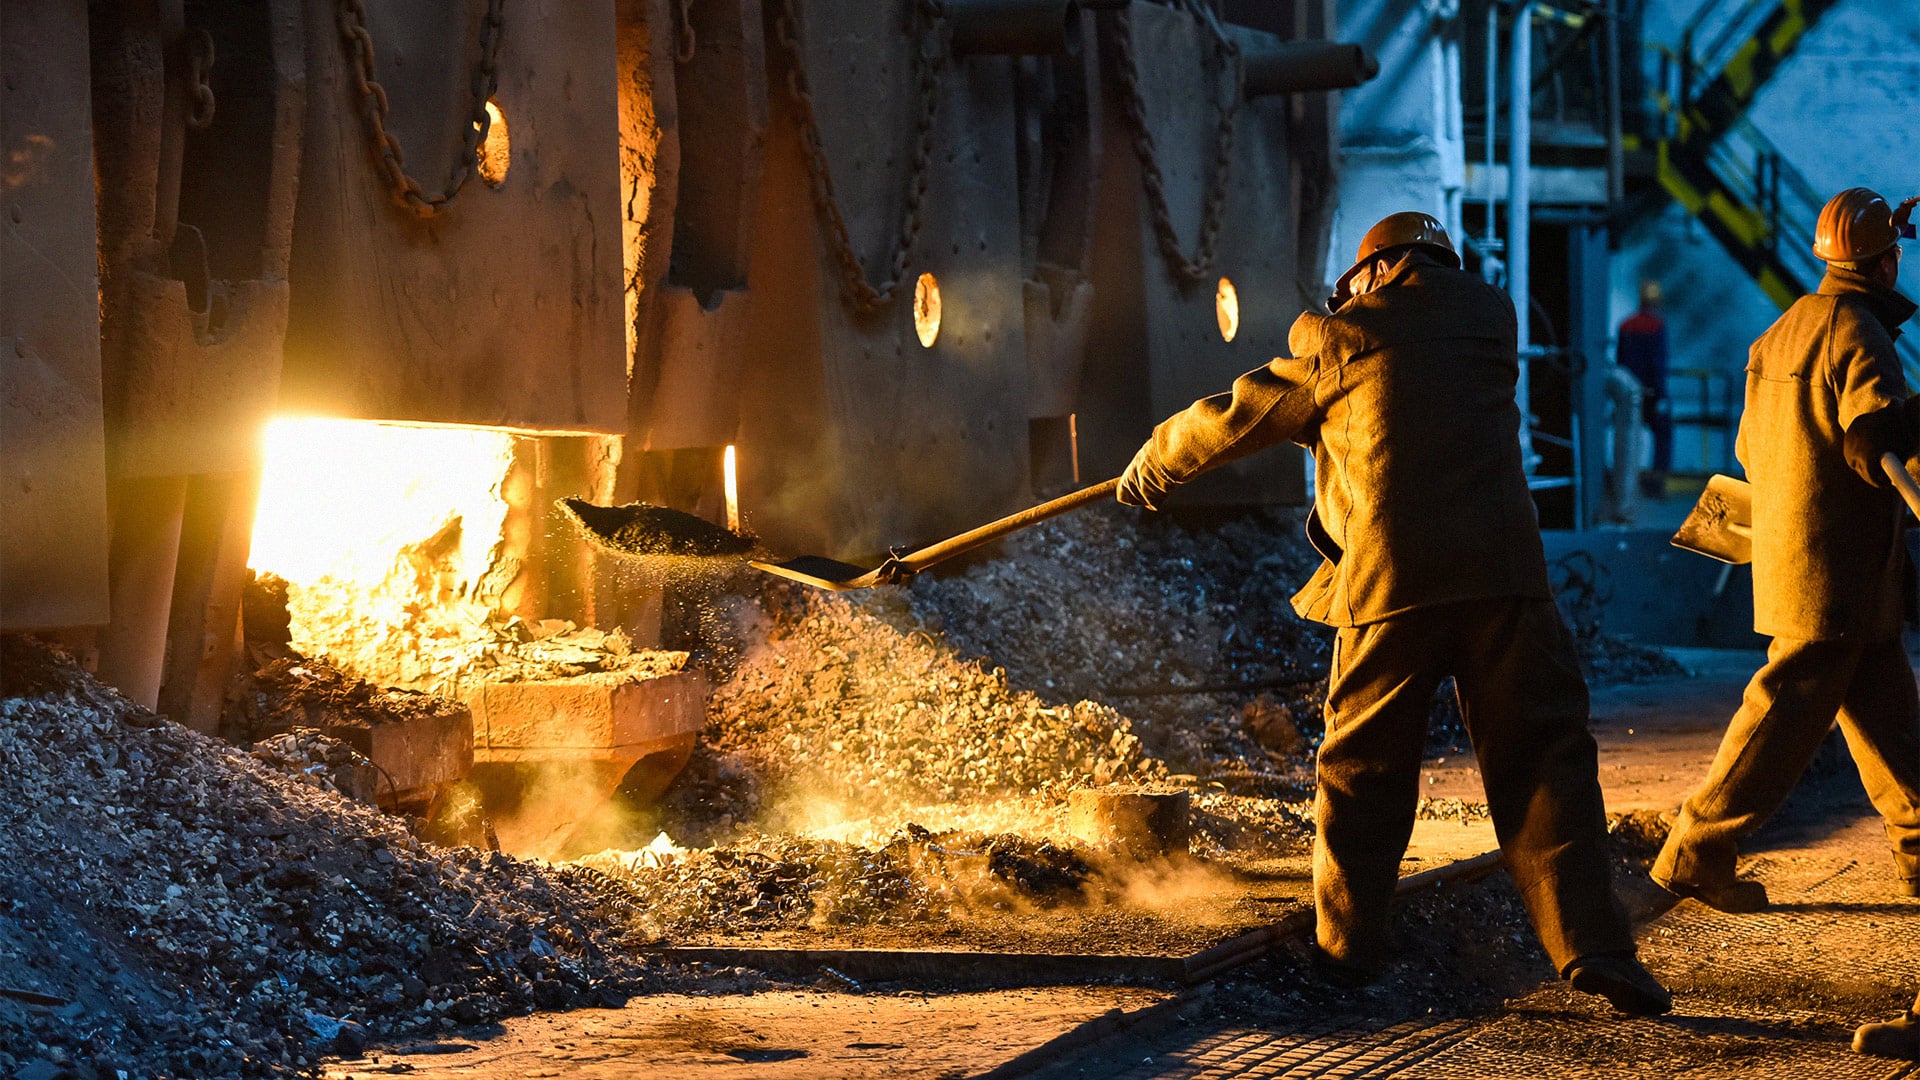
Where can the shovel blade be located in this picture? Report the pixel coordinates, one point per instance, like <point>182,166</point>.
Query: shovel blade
<point>821,573</point>
<point>1720,525</point>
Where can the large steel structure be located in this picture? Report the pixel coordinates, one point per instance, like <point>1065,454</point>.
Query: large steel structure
<point>914,260</point>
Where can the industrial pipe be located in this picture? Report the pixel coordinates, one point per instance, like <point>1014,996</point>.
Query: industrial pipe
<point>1010,27</point>
<point>1297,67</point>
<point>1520,209</point>
<point>1623,475</point>
<point>1490,266</point>
<point>147,514</point>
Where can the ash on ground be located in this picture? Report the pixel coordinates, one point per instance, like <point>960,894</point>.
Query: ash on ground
<point>175,906</point>
<point>1107,646</point>
<point>293,691</point>
<point>1101,648</point>
<point>781,882</point>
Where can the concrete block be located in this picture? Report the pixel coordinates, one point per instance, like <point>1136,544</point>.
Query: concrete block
<point>422,753</point>
<point>603,716</point>
<point>1143,822</point>
<point>418,753</point>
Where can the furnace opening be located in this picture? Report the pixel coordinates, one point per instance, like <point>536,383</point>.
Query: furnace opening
<point>393,541</point>
<point>1226,308</point>
<point>926,309</point>
<point>495,151</point>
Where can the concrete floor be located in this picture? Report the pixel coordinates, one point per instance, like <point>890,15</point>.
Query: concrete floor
<point>1770,995</point>
<point>1774,995</point>
<point>1655,738</point>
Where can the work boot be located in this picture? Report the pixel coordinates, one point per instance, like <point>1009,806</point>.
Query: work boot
<point>1623,981</point>
<point>1896,1038</point>
<point>1909,887</point>
<point>1742,896</point>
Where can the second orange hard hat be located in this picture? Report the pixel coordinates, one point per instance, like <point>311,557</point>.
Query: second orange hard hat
<point>1857,224</point>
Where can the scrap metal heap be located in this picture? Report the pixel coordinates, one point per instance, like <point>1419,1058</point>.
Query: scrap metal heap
<point>361,295</point>
<point>189,909</point>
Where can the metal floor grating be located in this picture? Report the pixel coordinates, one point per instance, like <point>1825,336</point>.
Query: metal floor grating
<point>1339,1048</point>
<point>1770,995</point>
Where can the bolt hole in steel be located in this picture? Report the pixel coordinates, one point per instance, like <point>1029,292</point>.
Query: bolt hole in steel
<point>1226,308</point>
<point>926,309</point>
<point>495,152</point>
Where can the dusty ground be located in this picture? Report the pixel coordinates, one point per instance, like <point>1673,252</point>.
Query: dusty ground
<point>789,1034</point>
<point>1650,734</point>
<point>1471,994</point>
<point>1771,995</point>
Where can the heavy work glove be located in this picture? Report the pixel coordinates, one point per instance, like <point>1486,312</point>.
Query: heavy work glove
<point>1145,483</point>
<point>1883,431</point>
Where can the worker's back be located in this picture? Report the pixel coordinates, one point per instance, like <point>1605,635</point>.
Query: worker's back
<point>1420,482</point>
<point>1827,553</point>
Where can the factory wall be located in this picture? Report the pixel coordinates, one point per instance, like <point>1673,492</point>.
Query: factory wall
<point>1401,145</point>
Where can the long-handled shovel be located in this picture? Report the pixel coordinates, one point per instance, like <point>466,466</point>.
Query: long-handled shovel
<point>1902,481</point>
<point>825,573</point>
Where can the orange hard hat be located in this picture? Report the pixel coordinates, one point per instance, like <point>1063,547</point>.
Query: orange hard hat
<point>1404,229</point>
<point>1857,225</point>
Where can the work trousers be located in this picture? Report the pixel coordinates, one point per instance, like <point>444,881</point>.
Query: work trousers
<point>1525,706</point>
<point>1784,715</point>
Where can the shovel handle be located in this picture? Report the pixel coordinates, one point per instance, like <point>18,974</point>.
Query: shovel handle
<point>1012,523</point>
<point>1902,481</point>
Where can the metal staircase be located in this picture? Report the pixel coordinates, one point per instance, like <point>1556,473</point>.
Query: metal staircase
<point>1718,166</point>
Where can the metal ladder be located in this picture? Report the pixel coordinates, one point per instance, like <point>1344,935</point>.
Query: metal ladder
<point>1717,165</point>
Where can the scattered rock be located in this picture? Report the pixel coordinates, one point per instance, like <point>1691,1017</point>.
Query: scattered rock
<point>198,904</point>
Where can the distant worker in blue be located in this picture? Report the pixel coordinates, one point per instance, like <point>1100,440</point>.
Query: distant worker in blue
<point>1643,351</point>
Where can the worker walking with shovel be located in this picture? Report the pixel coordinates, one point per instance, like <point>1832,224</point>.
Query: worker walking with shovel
<point>1433,568</point>
<point>1826,403</point>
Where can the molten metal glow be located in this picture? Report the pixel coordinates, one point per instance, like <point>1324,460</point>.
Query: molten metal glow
<point>1073,443</point>
<point>496,150</point>
<point>1226,309</point>
<point>926,309</point>
<point>342,498</point>
<point>730,467</point>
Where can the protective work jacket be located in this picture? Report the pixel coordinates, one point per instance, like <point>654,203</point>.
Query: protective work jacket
<point>1406,397</point>
<point>1828,556</point>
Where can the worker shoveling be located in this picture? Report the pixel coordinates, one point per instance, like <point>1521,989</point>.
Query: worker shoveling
<point>639,529</point>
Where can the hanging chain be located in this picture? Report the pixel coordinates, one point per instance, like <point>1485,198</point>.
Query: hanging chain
<point>685,43</point>
<point>864,294</point>
<point>200,82</point>
<point>1188,271</point>
<point>407,192</point>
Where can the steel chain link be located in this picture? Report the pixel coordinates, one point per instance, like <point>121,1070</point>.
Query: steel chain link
<point>864,294</point>
<point>1186,270</point>
<point>407,193</point>
<point>200,82</point>
<point>685,44</point>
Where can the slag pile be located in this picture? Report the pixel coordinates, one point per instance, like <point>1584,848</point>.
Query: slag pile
<point>832,712</point>
<point>193,911</point>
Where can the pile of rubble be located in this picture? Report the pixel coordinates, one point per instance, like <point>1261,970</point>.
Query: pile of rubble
<point>292,691</point>
<point>835,711</point>
<point>176,906</point>
<point>1105,646</point>
<point>321,761</point>
<point>1112,604</point>
<point>447,649</point>
<point>784,882</point>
